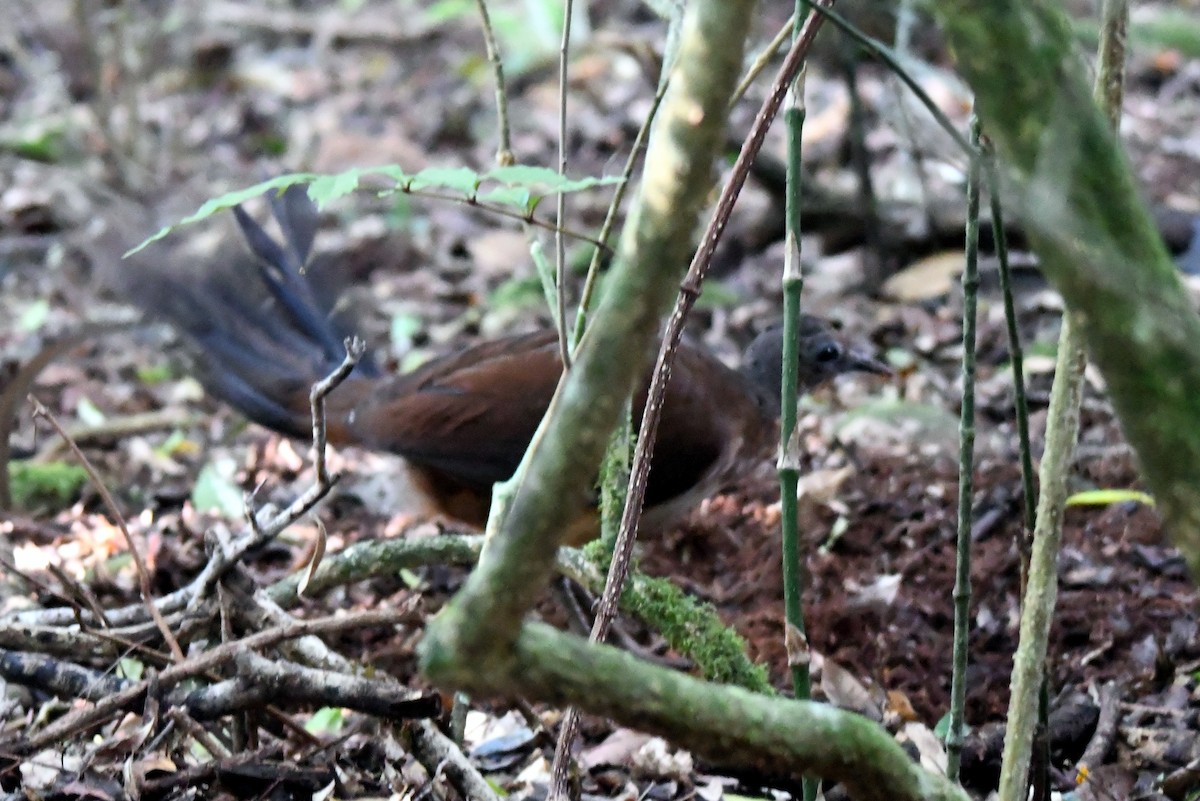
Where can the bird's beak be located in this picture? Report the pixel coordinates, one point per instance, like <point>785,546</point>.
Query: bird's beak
<point>867,363</point>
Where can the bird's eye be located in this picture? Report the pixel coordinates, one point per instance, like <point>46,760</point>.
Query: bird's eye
<point>828,353</point>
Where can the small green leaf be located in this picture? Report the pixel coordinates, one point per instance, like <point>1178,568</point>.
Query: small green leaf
<point>215,491</point>
<point>44,144</point>
<point>326,720</point>
<point>331,187</point>
<point>34,315</point>
<point>154,373</point>
<point>527,175</point>
<point>517,197</point>
<point>1107,497</point>
<point>545,181</point>
<point>88,413</point>
<point>590,182</point>
<point>392,171</point>
<point>131,669</point>
<point>459,179</point>
<point>228,201</point>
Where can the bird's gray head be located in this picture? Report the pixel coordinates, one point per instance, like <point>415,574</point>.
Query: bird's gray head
<point>823,354</point>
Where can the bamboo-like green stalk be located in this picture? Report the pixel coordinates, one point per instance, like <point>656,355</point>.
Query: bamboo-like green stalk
<point>789,467</point>
<point>966,468</point>
<point>795,639</point>
<point>1062,431</point>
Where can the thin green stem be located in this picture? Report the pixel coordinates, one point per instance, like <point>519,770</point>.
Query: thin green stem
<point>966,470</point>
<point>796,638</point>
<point>1016,354</point>
<point>504,154</point>
<point>560,206</point>
<point>610,217</point>
<point>763,59</point>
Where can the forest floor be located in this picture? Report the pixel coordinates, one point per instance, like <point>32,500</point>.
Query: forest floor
<point>228,93</point>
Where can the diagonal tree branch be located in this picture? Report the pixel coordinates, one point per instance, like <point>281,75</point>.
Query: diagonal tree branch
<point>1095,238</point>
<point>485,617</point>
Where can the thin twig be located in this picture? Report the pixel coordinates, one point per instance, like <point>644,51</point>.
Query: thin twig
<point>610,217</point>
<point>502,211</point>
<point>1016,355</point>
<point>560,207</point>
<point>355,348</point>
<point>139,564</point>
<point>262,531</point>
<point>504,154</point>
<point>122,427</point>
<point>763,59</point>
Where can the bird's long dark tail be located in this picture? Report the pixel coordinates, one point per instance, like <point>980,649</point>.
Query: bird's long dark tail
<point>261,351</point>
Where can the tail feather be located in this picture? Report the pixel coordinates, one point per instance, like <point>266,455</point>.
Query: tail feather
<point>282,271</point>
<point>262,337</point>
<point>297,218</point>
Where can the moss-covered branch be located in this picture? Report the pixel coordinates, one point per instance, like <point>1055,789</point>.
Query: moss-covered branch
<point>1096,241</point>
<point>689,626</point>
<point>725,724</point>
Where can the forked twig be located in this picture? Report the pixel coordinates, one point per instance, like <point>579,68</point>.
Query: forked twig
<point>263,530</point>
<point>355,348</point>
